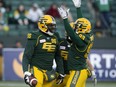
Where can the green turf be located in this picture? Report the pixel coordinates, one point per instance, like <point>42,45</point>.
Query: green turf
<point>22,84</point>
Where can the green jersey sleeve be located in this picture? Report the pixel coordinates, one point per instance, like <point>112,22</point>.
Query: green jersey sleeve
<point>79,13</point>
<point>58,59</point>
<point>74,37</point>
<point>59,63</point>
<point>84,38</point>
<point>29,49</point>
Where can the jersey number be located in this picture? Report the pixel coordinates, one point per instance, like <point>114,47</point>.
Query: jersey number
<point>64,54</point>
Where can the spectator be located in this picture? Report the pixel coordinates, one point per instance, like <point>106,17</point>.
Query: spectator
<point>35,12</point>
<point>104,8</point>
<point>20,15</point>
<point>1,47</point>
<point>4,4</point>
<point>2,11</point>
<point>18,44</point>
<point>3,21</point>
<point>53,11</point>
<point>9,15</point>
<point>98,24</point>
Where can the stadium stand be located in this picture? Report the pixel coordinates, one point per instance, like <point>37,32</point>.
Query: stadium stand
<point>20,31</point>
<point>113,18</point>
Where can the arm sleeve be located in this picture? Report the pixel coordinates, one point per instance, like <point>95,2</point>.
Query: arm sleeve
<point>59,62</point>
<point>74,37</point>
<point>28,52</point>
<point>79,13</point>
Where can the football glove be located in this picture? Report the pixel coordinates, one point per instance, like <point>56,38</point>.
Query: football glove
<point>77,3</point>
<point>30,79</point>
<point>94,77</point>
<point>63,12</point>
<point>59,79</point>
<point>26,77</point>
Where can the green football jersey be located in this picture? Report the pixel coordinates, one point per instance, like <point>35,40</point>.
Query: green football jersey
<point>78,54</point>
<point>80,47</point>
<point>40,51</point>
<point>64,48</point>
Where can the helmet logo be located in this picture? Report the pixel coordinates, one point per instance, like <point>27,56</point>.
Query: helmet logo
<point>42,21</point>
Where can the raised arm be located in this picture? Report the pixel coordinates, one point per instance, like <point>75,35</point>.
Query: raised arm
<point>74,37</point>
<point>77,4</point>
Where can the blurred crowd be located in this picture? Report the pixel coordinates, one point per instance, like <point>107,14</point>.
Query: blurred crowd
<point>21,16</point>
<point>100,9</point>
<point>24,17</point>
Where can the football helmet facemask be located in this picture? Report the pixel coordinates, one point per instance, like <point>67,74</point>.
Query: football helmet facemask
<point>83,25</point>
<point>47,24</point>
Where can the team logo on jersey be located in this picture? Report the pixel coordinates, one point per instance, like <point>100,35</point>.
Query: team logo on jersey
<point>64,55</point>
<point>49,47</point>
<point>42,40</point>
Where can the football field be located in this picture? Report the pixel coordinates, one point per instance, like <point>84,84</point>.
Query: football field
<point>22,84</point>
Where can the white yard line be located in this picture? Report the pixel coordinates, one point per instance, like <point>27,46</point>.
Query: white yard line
<point>12,85</point>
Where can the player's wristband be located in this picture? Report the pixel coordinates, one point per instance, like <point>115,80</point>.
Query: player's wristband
<point>27,73</point>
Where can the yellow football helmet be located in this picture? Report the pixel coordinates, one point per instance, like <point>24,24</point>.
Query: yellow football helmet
<point>47,24</point>
<point>83,25</point>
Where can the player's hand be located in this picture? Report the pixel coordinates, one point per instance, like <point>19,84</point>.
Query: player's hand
<point>94,77</point>
<point>59,79</point>
<point>63,12</point>
<point>77,3</point>
<point>26,77</point>
<point>30,79</point>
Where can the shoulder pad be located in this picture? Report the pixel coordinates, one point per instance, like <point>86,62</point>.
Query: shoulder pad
<point>57,34</point>
<point>31,35</point>
<point>84,37</point>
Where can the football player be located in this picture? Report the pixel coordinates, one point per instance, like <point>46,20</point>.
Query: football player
<point>82,41</point>
<point>41,49</point>
<point>64,48</point>
<point>65,44</point>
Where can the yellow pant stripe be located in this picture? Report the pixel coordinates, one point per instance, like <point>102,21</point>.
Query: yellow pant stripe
<point>75,79</point>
